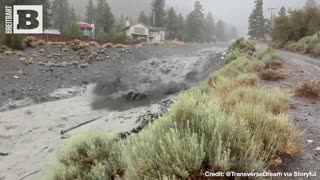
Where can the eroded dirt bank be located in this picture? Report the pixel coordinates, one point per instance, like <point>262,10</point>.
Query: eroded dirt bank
<point>120,91</point>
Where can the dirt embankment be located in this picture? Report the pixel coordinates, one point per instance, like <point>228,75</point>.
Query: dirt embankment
<point>120,90</point>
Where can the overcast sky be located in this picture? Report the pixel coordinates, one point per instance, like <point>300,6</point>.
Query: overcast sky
<point>234,12</point>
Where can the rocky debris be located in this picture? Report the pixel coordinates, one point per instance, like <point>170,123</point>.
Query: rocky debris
<point>41,50</point>
<point>84,64</point>
<point>3,49</point>
<point>120,46</point>
<point>65,136</point>
<point>94,44</point>
<point>165,70</point>
<point>8,53</point>
<point>4,154</point>
<point>149,117</point>
<point>310,141</point>
<point>65,49</point>
<point>134,96</point>
<point>108,45</point>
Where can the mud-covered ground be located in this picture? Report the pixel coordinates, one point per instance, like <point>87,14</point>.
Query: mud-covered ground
<point>35,73</point>
<point>51,93</point>
<point>305,113</point>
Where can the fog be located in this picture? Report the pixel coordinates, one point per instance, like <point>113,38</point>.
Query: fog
<point>233,12</point>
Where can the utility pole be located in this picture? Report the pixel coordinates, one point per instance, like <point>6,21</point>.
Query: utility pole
<point>271,10</point>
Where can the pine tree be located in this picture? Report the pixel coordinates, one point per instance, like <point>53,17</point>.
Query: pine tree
<point>180,25</point>
<point>310,4</point>
<point>172,24</point>
<point>60,10</point>
<point>195,27</point>
<point>257,22</point>
<point>143,18</point>
<point>90,13</point>
<point>159,13</point>
<point>220,30</point>
<point>46,14</point>
<point>122,21</point>
<point>283,11</point>
<point>210,27</point>
<point>105,19</point>
<point>233,33</point>
<point>73,15</point>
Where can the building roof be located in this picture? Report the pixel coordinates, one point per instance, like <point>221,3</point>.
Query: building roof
<point>85,25</point>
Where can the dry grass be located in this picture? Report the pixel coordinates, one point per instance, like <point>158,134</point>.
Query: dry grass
<point>309,89</point>
<point>271,75</point>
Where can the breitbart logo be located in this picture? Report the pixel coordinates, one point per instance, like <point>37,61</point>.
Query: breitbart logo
<point>24,19</point>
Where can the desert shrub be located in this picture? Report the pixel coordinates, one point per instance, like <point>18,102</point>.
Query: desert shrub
<point>308,44</point>
<point>88,155</point>
<point>241,65</point>
<point>316,50</point>
<point>309,89</point>
<point>264,52</point>
<point>269,58</point>
<point>262,122</point>
<point>275,101</point>
<point>246,79</point>
<point>241,47</point>
<point>201,128</point>
<point>271,75</point>
<point>292,46</point>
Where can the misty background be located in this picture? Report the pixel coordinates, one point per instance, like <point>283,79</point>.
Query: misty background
<point>233,12</point>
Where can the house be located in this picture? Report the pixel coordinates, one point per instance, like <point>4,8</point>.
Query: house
<point>142,32</point>
<point>87,29</point>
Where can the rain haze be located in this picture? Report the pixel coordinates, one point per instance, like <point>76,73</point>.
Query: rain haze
<point>159,89</point>
<point>233,12</point>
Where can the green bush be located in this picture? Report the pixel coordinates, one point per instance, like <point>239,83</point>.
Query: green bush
<point>295,26</point>
<point>308,44</point>
<point>74,30</point>
<point>91,155</point>
<point>14,41</point>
